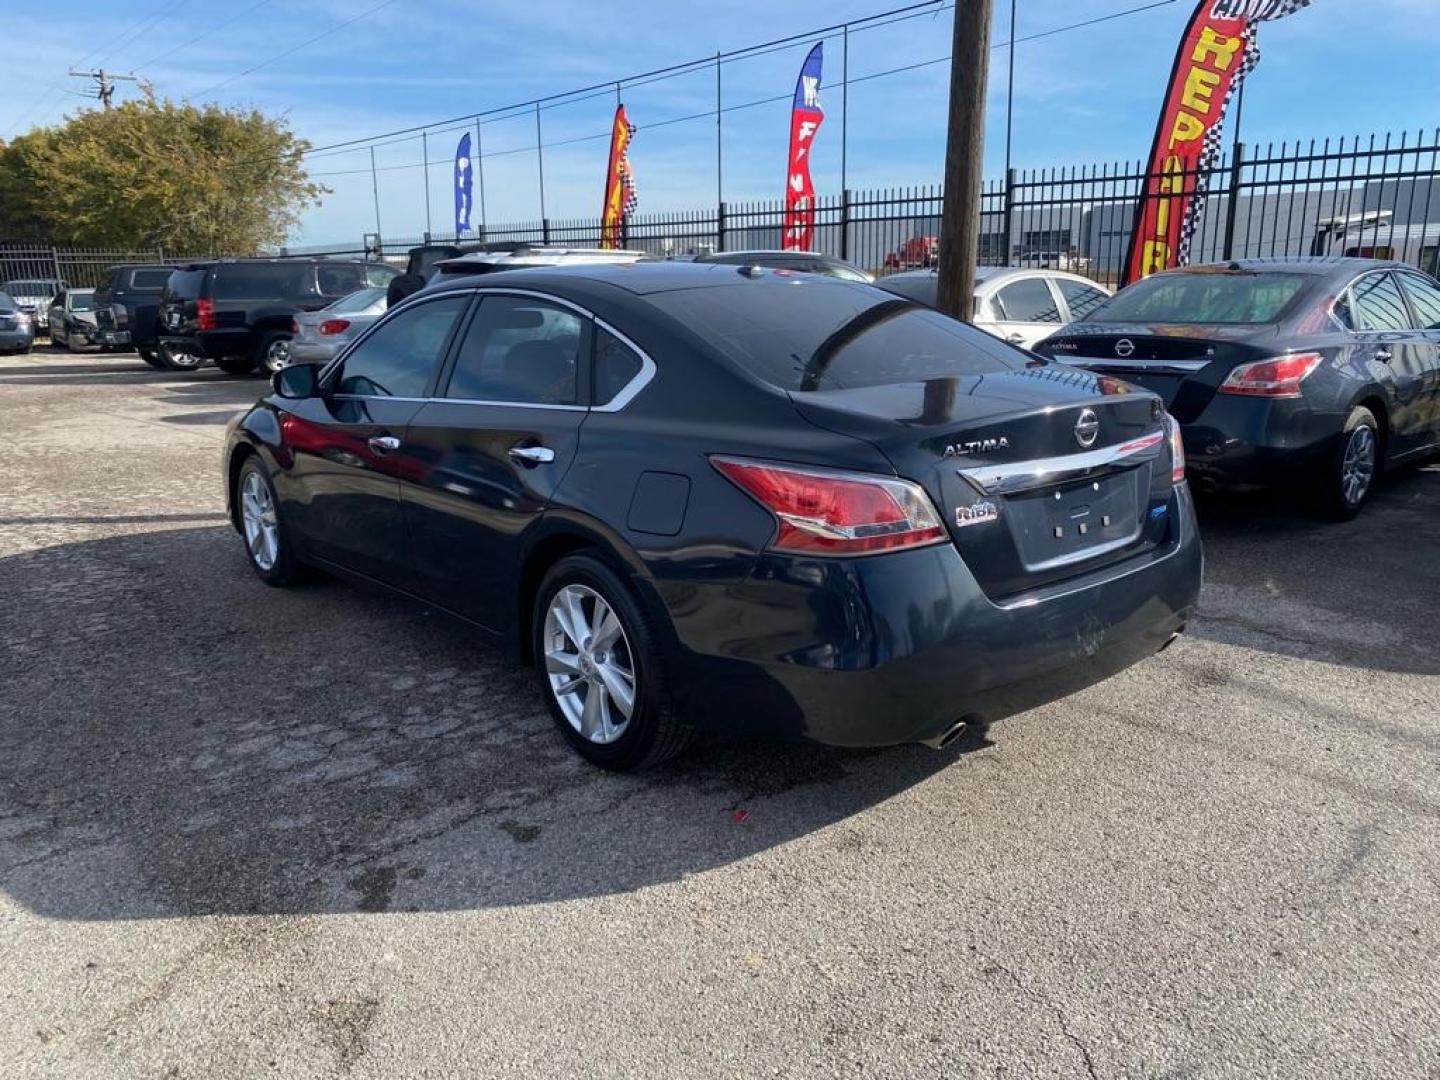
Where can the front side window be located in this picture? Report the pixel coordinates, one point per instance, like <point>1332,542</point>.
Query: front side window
<point>1377,303</point>
<point>522,350</point>
<point>1027,300</point>
<point>1424,298</point>
<point>1080,298</point>
<point>399,357</point>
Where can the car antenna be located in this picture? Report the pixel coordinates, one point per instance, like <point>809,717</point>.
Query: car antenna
<point>751,270</point>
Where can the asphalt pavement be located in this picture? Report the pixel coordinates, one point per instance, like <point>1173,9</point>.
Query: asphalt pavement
<point>248,832</point>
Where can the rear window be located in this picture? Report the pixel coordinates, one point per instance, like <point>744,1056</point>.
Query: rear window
<point>358,300</point>
<point>186,284</point>
<point>812,335</point>
<point>241,281</point>
<point>1203,297</point>
<point>149,280</point>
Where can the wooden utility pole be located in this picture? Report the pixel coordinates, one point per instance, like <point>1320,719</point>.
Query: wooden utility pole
<point>964,149</point>
<point>104,82</point>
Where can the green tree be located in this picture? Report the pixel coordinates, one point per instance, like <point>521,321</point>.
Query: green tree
<point>154,173</point>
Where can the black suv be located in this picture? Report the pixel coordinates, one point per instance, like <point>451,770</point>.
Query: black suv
<point>127,306</point>
<point>238,312</point>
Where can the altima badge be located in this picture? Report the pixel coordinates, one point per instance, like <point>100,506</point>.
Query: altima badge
<point>976,514</point>
<point>977,446</point>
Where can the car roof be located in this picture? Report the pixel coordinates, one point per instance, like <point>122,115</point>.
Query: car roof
<point>638,278</point>
<point>1318,265</point>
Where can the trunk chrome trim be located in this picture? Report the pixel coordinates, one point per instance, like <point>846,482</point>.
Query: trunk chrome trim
<point>1023,475</point>
<point>1114,362</point>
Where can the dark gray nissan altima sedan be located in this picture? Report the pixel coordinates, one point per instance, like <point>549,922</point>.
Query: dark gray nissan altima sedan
<point>717,496</point>
<point>1303,374</point>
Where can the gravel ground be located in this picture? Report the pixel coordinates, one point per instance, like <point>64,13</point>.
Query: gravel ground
<point>320,833</point>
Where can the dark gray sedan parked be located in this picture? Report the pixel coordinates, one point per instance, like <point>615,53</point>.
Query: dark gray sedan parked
<point>1311,375</point>
<point>17,330</point>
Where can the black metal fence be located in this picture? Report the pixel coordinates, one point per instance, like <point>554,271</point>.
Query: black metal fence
<point>1376,196</point>
<point>78,268</point>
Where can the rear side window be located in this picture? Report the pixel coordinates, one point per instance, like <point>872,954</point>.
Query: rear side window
<point>1028,300</point>
<point>186,284</point>
<point>1080,298</point>
<point>398,359</point>
<point>340,279</point>
<point>241,281</point>
<point>149,280</point>
<point>1425,299</point>
<point>519,350</point>
<point>817,335</point>
<point>615,365</point>
<point>1378,305</point>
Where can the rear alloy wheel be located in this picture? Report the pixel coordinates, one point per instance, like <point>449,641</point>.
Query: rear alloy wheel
<point>1355,463</point>
<point>173,359</point>
<point>261,527</point>
<point>273,353</point>
<point>599,668</point>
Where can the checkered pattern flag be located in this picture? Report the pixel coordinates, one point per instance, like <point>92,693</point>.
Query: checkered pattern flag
<point>1256,12</point>
<point>630,198</point>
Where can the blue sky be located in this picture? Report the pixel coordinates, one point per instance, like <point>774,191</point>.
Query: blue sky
<point>1087,96</point>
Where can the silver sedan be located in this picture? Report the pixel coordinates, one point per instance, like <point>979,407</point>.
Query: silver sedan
<point>320,335</point>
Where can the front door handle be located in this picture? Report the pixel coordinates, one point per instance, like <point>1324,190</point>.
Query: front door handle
<point>532,455</point>
<point>383,444</point>
<point>1383,354</point>
<point>1016,339</point>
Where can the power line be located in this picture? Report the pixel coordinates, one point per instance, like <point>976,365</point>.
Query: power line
<point>295,48</point>
<point>202,36</point>
<point>708,113</point>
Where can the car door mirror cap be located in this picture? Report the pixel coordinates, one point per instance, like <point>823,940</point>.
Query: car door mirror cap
<point>296,381</point>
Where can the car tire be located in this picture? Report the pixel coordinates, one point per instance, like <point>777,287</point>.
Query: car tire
<point>262,527</point>
<point>584,682</point>
<point>1353,467</point>
<point>236,365</point>
<point>151,357</point>
<point>273,352</point>
<point>173,360</point>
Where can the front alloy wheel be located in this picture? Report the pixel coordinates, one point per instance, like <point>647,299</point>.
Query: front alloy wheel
<point>257,515</point>
<point>589,664</point>
<point>275,355</point>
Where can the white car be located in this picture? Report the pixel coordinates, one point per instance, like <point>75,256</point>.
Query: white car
<point>319,335</point>
<point>1021,305</point>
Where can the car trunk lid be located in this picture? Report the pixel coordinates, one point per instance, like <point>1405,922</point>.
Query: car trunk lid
<point>1040,474</point>
<point>1184,364</point>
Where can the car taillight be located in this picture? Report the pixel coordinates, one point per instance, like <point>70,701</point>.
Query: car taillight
<point>294,327</point>
<point>1177,449</point>
<point>334,326</point>
<point>836,513</point>
<point>205,314</point>
<point>1279,376</point>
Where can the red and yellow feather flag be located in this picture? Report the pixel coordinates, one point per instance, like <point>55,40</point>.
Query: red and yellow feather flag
<point>1216,52</point>
<point>620,197</point>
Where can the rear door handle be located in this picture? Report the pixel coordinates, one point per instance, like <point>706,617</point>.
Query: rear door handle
<point>1384,354</point>
<point>1016,339</point>
<point>383,444</point>
<point>532,455</point>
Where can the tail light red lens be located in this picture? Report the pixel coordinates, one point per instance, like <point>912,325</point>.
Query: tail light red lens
<point>294,327</point>
<point>1177,449</point>
<point>837,513</point>
<point>334,326</point>
<point>1278,377</point>
<point>205,314</point>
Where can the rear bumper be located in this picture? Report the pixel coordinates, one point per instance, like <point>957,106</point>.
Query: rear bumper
<point>898,648</point>
<point>16,339</point>
<point>213,344</point>
<point>312,352</point>
<point>1240,443</point>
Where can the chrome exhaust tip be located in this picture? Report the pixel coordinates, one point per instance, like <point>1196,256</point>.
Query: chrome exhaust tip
<point>948,736</point>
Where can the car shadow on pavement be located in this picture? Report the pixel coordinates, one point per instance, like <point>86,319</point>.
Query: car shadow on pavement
<point>178,739</point>
<point>1361,593</point>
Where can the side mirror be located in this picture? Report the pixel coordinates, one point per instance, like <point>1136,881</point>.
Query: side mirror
<point>296,381</point>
